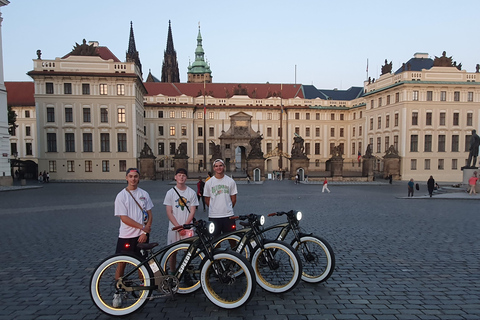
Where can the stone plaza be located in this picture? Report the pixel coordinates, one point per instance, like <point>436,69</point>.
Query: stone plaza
<point>396,257</point>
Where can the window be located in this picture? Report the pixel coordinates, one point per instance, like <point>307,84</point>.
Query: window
<point>69,142</point>
<point>332,132</point>
<point>470,97</point>
<point>27,113</point>
<point>184,130</point>
<point>317,116</point>
<point>395,124</point>
<point>200,148</point>
<point>307,116</point>
<point>121,115</point>
<point>307,148</point>
<point>211,131</point>
<point>428,143</point>
<point>361,114</point>
<point>332,145</point>
<point>88,166</point>
<point>456,118</point>
<point>397,97</point>
<point>413,164</point>
<point>379,144</point>
<point>442,118</point>
<point>105,166</point>
<point>70,166</point>
<point>307,131</point>
<point>443,95</point>
<point>210,115</point>
<point>387,121</point>
<point>332,116</point>
<point>441,143</point>
<point>122,165</point>
<point>372,104</point>
<point>395,142</point>
<point>427,164</point>
<point>342,117</point>
<point>269,132</point>
<point>200,115</point>
<point>50,115</point>
<point>13,148</point>
<point>104,142</point>
<point>454,164</point>
<point>455,142</point>
<point>388,99</point>
<point>27,131</point>
<point>467,142</point>
<point>353,148</point>
<point>379,124</point>
<point>122,142</point>
<point>103,115</point>
<point>28,149</point>
<point>317,132</point>
<point>85,88</point>
<point>49,88</point>
<point>183,114</point>
<point>428,119</point>
<point>68,115</point>
<point>52,166</point>
<point>161,148</point>
<point>13,130</point>
<point>269,147</point>
<point>172,130</point>
<point>414,118</point>
<point>317,147</point>
<point>341,132</point>
<point>387,143</point>
<point>120,89</point>
<point>51,142</point>
<point>379,102</point>
<point>441,164</point>
<point>415,95</point>
<point>353,132</point>
<point>103,89</point>
<point>297,116</point>
<point>371,123</point>
<point>456,96</point>
<point>86,115</point>
<point>297,130</point>
<point>360,130</point>
<point>67,88</point>
<point>469,119</point>
<point>87,142</point>
<point>200,131</point>
<point>429,95</point>
<point>160,130</point>
<point>269,116</point>
<point>160,114</point>
<point>173,147</point>
<point>414,143</point>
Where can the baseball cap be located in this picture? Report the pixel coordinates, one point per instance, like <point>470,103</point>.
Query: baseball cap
<point>181,170</point>
<point>132,169</point>
<point>218,160</point>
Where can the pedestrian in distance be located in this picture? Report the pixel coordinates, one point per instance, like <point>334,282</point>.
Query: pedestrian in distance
<point>410,186</point>
<point>325,186</point>
<point>430,185</point>
<point>200,187</point>
<point>472,182</point>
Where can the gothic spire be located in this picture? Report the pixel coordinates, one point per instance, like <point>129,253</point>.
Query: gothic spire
<point>132,53</point>
<point>170,48</point>
<point>170,71</point>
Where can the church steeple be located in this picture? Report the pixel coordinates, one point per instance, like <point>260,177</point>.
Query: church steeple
<point>199,71</point>
<point>132,53</point>
<point>170,71</point>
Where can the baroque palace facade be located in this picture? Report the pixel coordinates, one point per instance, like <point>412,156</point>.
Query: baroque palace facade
<point>93,114</point>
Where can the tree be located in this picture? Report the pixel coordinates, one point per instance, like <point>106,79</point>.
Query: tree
<point>12,118</point>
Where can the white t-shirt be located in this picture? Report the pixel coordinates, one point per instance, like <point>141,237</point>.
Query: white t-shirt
<point>219,191</point>
<point>179,211</point>
<point>126,206</point>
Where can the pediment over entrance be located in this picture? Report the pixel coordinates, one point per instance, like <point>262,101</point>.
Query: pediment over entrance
<point>240,127</point>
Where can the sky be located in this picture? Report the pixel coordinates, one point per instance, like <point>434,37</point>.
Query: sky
<point>319,42</point>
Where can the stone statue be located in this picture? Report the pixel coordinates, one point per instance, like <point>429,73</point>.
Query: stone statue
<point>256,151</point>
<point>387,68</point>
<point>391,152</point>
<point>368,152</point>
<point>39,54</point>
<point>217,151</point>
<point>443,61</point>
<point>146,152</point>
<point>181,152</point>
<point>298,148</point>
<point>474,143</point>
<point>84,49</point>
<point>477,68</point>
<point>337,152</point>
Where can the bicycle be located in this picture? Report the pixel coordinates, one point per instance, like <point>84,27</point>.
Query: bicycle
<point>219,277</point>
<point>318,259</point>
<point>276,264</point>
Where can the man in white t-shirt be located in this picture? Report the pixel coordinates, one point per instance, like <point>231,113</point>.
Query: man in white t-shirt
<point>220,196</point>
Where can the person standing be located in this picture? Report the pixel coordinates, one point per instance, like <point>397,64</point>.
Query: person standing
<point>221,196</point>
<point>134,208</point>
<point>430,185</point>
<point>200,187</point>
<point>325,186</point>
<point>410,186</point>
<point>472,182</point>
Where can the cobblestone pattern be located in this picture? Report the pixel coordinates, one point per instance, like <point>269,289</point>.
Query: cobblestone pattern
<point>396,259</point>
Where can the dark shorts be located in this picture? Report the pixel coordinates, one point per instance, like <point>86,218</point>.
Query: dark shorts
<point>223,225</point>
<point>129,245</point>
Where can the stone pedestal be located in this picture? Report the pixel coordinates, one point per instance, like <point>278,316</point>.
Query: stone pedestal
<point>467,174</point>
<point>180,163</point>
<point>336,167</point>
<point>368,168</point>
<point>296,164</point>
<point>6,181</point>
<point>147,168</point>
<point>391,166</point>
<point>253,164</point>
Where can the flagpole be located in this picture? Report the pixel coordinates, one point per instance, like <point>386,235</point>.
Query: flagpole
<point>204,127</point>
<point>280,146</point>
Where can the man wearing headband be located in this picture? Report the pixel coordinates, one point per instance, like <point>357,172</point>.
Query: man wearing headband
<point>220,196</point>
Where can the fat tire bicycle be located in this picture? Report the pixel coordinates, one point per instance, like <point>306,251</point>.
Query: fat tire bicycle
<point>226,277</point>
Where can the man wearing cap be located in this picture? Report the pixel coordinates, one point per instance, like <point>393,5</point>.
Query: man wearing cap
<point>220,196</point>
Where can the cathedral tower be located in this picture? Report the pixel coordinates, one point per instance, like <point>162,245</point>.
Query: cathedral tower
<point>199,71</point>
<point>132,53</point>
<point>170,65</point>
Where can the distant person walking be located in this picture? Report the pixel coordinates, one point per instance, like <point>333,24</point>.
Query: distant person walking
<point>472,182</point>
<point>200,186</point>
<point>430,185</point>
<point>325,186</point>
<point>410,186</point>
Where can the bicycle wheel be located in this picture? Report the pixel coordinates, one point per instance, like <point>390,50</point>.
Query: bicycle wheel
<point>190,280</point>
<point>119,302</point>
<point>318,259</point>
<point>222,283</point>
<point>283,272</point>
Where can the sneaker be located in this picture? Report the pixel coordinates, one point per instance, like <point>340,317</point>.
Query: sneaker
<point>117,300</point>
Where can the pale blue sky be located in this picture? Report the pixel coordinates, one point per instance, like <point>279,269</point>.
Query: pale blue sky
<point>249,41</point>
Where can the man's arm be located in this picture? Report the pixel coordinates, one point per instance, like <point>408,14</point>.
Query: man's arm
<point>234,200</point>
<point>207,201</point>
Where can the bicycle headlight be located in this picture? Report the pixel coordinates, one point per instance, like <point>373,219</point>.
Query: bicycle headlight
<point>211,228</point>
<point>262,220</point>
<point>299,216</point>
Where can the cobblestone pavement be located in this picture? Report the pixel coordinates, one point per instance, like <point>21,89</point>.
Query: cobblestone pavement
<point>396,258</point>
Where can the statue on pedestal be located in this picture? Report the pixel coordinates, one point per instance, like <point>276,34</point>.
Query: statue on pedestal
<point>474,143</point>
